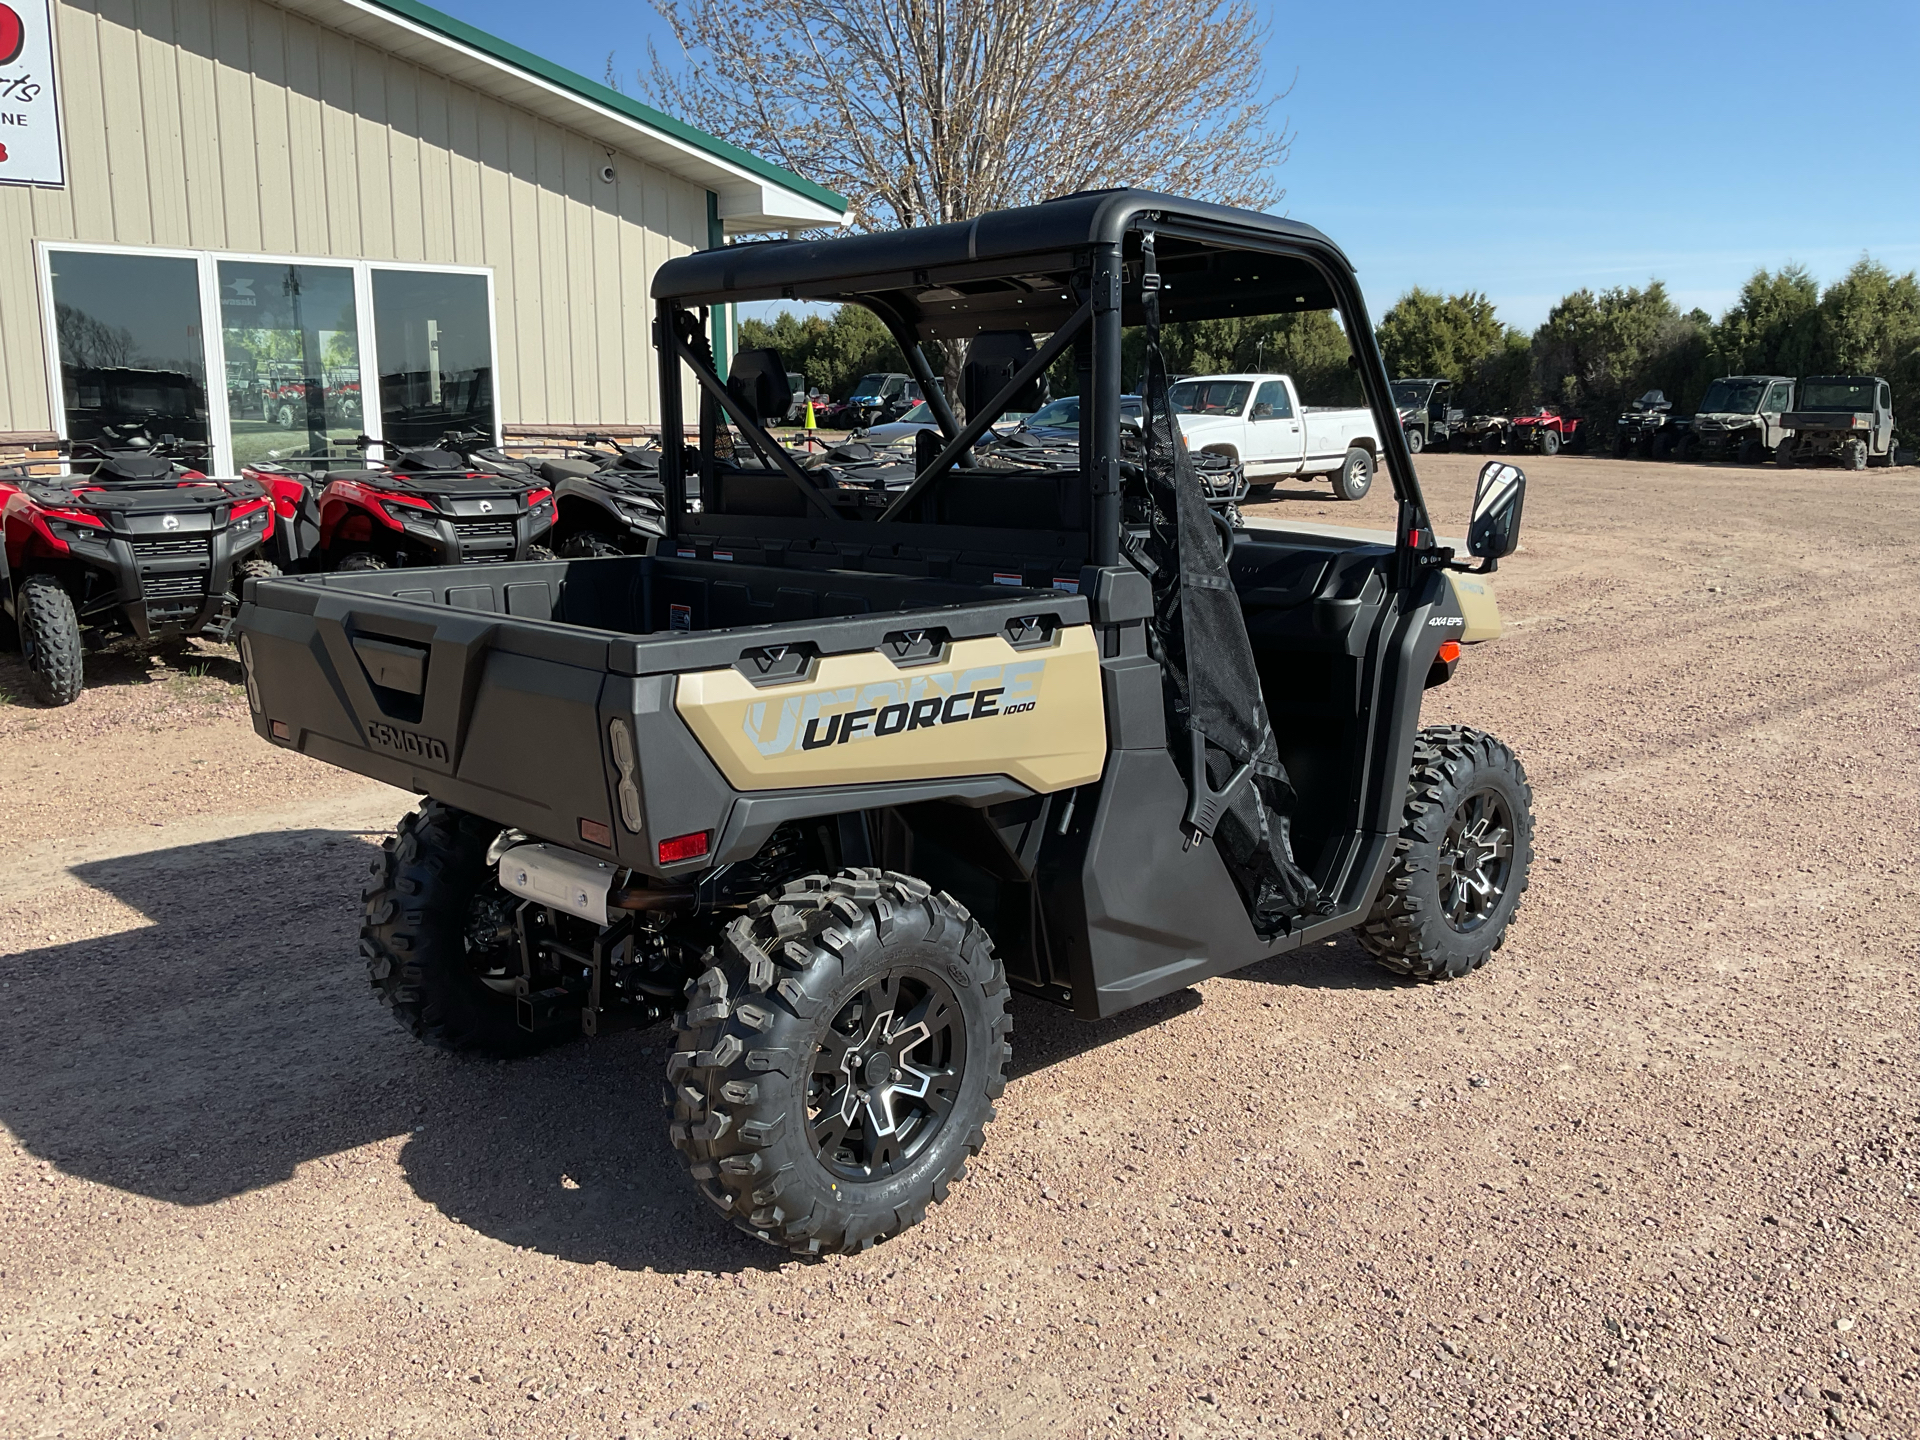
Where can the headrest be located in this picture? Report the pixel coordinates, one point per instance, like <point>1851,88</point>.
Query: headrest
<point>992,358</point>
<point>757,380</point>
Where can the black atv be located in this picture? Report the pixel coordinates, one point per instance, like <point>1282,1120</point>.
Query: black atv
<point>131,539</point>
<point>1649,428</point>
<point>608,499</point>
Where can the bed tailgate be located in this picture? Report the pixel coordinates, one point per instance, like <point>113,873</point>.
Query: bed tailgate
<point>482,708</point>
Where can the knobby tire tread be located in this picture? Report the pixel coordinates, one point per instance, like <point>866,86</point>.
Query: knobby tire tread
<point>745,1044</point>
<point>1406,930</point>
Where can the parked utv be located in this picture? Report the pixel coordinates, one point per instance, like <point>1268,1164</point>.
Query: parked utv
<point>1740,418</point>
<point>830,773</point>
<point>1544,431</point>
<point>876,399</point>
<point>1647,428</point>
<point>1845,419</point>
<point>131,540</point>
<point>1427,413</point>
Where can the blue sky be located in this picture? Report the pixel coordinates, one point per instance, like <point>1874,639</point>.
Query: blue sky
<point>1527,150</point>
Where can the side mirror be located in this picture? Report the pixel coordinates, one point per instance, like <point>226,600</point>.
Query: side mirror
<point>1494,532</point>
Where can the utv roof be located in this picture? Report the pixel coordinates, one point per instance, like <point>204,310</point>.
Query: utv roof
<point>1010,269</point>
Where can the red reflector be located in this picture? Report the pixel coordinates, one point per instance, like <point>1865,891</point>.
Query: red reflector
<point>683,847</point>
<point>280,730</point>
<point>1449,651</point>
<point>596,833</point>
<point>1413,538</point>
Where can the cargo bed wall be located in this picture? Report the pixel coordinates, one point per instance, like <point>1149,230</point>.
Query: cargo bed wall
<point>492,687</point>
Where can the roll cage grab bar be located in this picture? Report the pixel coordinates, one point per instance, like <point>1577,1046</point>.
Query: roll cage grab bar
<point>1102,312</point>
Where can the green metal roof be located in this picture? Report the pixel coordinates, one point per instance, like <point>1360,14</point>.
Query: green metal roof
<point>608,98</point>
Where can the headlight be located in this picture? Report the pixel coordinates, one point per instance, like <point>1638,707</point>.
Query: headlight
<point>73,532</point>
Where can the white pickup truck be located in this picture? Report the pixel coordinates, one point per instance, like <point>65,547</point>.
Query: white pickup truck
<point>1259,419</point>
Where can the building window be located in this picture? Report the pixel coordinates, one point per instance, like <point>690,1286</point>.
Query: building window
<point>291,338</point>
<point>132,354</point>
<point>294,345</point>
<point>435,342</point>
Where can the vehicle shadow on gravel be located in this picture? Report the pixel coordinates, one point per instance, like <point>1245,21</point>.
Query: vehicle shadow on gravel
<point>224,1037</point>
<point>218,1040</point>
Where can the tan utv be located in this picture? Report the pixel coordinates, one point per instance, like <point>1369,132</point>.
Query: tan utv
<point>874,740</point>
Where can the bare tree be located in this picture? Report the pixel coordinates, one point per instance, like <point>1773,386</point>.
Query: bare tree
<point>922,111</point>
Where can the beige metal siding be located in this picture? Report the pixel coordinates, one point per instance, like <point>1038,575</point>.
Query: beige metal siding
<point>234,125</point>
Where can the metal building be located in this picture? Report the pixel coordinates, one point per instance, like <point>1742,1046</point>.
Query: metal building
<point>267,224</point>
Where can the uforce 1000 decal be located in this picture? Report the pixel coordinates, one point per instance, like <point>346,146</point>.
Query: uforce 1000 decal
<point>987,710</point>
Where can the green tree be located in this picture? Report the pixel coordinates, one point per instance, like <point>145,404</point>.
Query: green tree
<point>832,354</point>
<point>1770,329</point>
<point>1445,337</point>
<point>1868,323</point>
<point>1595,353</point>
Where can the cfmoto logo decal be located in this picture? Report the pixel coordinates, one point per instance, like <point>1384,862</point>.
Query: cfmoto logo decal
<point>170,522</point>
<point>486,507</point>
<point>855,714</point>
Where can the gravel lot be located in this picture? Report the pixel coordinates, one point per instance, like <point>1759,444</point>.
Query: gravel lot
<point>1655,1172</point>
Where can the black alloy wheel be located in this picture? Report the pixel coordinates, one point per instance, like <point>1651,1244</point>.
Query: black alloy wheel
<point>886,1074</point>
<point>1476,860</point>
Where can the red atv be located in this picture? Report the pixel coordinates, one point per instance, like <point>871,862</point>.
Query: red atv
<point>130,539</point>
<point>423,507</point>
<point>1544,431</point>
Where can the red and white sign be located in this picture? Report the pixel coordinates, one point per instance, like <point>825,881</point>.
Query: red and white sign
<point>29,110</point>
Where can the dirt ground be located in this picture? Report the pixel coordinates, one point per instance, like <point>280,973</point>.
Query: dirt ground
<point>1656,1171</point>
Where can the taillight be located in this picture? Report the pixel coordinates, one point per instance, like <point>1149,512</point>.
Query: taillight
<point>683,847</point>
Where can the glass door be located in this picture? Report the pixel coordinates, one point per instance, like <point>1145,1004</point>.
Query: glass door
<point>290,338</point>
<point>132,344</point>
<point>433,332</point>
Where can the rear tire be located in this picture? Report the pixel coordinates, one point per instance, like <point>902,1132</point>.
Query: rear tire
<point>1354,477</point>
<point>361,560</point>
<point>436,934</point>
<point>1855,457</point>
<point>49,639</point>
<point>1460,863</point>
<point>1260,490</point>
<point>806,1107</point>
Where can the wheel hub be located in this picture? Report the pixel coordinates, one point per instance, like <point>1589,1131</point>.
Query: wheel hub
<point>885,1075</point>
<point>1476,860</point>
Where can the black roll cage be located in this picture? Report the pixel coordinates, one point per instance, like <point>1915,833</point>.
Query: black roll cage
<point>882,270</point>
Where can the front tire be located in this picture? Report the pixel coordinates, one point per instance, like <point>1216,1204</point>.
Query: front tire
<point>49,639</point>
<point>1461,860</point>
<point>1549,442</point>
<point>1751,452</point>
<point>1783,455</point>
<point>1416,442</point>
<point>361,560</point>
<point>437,935</point>
<point>837,1065</point>
<point>1354,477</point>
